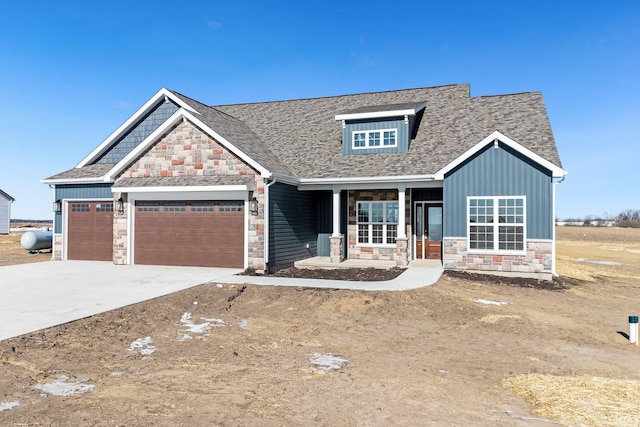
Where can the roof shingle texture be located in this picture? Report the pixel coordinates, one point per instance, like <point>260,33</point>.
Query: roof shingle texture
<point>308,139</point>
<point>90,171</point>
<point>182,181</point>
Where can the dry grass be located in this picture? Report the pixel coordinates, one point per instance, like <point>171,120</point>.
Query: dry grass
<point>11,251</point>
<point>583,400</point>
<point>588,400</point>
<point>621,245</point>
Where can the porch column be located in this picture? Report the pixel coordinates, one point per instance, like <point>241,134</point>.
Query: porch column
<point>336,212</point>
<point>402,227</point>
<point>402,248</point>
<point>336,237</point>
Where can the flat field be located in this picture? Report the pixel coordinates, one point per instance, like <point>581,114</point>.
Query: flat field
<point>469,350</point>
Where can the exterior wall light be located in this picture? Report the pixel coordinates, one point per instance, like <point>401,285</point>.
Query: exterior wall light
<point>253,206</point>
<point>57,206</point>
<point>119,206</point>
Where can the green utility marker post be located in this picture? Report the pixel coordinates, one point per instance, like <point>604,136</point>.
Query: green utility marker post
<point>633,330</point>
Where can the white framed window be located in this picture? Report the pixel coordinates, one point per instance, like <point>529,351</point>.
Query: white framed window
<point>375,138</point>
<point>377,223</point>
<point>496,224</point>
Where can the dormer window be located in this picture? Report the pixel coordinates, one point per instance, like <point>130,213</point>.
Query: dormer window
<point>375,139</point>
<point>379,128</point>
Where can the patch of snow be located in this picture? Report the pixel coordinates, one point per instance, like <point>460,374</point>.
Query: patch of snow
<point>8,405</point>
<point>242,324</point>
<point>219,285</point>
<point>327,362</point>
<point>117,374</point>
<point>489,302</point>
<point>61,387</point>
<point>142,346</point>
<point>599,262</point>
<point>196,328</point>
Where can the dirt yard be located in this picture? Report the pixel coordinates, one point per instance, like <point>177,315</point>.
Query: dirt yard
<point>465,351</point>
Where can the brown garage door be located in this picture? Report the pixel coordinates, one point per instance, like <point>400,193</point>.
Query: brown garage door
<point>90,235</point>
<point>204,234</point>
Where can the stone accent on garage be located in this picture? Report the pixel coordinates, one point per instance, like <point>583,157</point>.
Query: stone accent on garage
<point>536,261</point>
<point>120,233</point>
<point>188,151</point>
<point>57,247</point>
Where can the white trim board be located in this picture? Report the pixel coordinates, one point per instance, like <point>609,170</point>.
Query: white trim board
<point>557,172</point>
<point>155,100</point>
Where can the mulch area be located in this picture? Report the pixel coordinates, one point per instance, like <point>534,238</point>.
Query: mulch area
<point>352,274</point>
<point>378,275</point>
<point>557,284</point>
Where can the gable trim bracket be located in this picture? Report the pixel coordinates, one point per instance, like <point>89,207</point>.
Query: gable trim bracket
<point>495,138</point>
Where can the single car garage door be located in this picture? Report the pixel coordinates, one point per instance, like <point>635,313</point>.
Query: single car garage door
<point>90,235</point>
<point>202,234</point>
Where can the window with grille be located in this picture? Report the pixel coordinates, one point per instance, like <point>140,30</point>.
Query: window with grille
<point>497,224</point>
<point>377,223</point>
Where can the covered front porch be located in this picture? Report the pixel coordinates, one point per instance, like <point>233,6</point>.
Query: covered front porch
<point>383,227</point>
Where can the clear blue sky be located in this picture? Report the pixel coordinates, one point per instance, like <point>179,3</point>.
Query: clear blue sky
<point>72,72</point>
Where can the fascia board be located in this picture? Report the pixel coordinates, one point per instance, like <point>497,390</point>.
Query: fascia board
<point>556,171</point>
<point>182,189</point>
<point>381,114</point>
<point>99,180</point>
<point>131,121</point>
<point>285,179</point>
<point>368,183</point>
<point>367,179</point>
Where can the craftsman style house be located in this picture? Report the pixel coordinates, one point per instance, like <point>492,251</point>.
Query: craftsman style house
<point>398,175</point>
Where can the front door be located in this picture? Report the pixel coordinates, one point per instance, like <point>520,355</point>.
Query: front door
<point>428,226</point>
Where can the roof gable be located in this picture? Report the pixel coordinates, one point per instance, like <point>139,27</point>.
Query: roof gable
<point>493,138</point>
<point>6,196</point>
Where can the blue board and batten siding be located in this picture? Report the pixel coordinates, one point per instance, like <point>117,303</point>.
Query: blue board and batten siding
<point>292,226</point>
<point>79,192</point>
<point>499,172</point>
<point>398,123</point>
<point>139,133</point>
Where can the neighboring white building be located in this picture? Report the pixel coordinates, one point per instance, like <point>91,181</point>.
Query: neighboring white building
<point>5,211</point>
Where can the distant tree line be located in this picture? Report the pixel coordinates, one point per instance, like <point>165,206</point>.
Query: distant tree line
<point>629,218</point>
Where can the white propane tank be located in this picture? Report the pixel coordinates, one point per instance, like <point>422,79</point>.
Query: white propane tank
<point>37,240</point>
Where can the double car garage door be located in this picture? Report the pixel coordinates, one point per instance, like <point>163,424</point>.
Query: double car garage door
<point>203,233</point>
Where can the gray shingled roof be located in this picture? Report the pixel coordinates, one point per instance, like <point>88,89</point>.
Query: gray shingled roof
<point>307,137</point>
<point>182,181</point>
<point>90,171</point>
<point>301,137</point>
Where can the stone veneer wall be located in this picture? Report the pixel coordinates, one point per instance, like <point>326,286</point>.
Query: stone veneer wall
<point>120,235</point>
<point>188,151</point>
<point>399,252</point>
<point>537,260</point>
<point>57,247</point>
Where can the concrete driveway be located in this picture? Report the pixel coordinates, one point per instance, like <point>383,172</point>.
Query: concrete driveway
<point>41,295</point>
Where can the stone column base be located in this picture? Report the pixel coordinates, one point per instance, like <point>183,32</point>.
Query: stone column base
<point>402,252</point>
<point>336,254</point>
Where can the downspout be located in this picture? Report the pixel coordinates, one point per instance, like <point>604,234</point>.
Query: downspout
<point>553,247</point>
<point>53,234</point>
<point>266,222</point>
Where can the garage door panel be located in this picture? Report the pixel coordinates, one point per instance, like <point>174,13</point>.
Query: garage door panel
<point>190,234</point>
<point>90,231</point>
